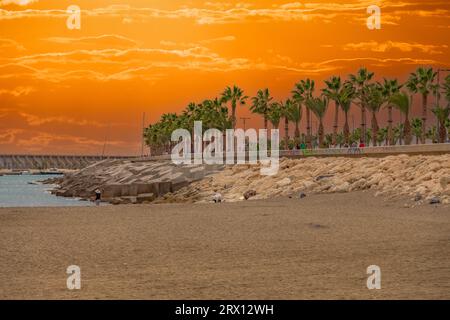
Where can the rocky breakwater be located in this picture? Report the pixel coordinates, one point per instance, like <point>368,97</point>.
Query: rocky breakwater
<point>422,179</point>
<point>128,181</point>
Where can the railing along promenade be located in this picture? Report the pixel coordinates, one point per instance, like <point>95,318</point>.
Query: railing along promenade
<point>380,151</point>
<point>42,162</point>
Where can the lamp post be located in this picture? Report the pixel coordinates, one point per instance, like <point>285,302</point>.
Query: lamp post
<point>142,135</point>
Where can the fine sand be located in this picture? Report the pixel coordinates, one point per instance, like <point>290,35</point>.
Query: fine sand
<point>316,247</point>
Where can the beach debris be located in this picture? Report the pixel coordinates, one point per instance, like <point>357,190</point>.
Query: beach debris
<point>248,194</point>
<point>435,200</point>
<point>418,197</point>
<point>217,198</point>
<point>302,195</point>
<point>326,176</point>
<point>316,226</point>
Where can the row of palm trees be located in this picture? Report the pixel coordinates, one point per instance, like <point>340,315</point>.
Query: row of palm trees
<point>358,89</point>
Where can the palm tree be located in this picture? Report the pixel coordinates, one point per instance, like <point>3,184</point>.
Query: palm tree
<point>416,125</point>
<point>398,133</point>
<point>235,95</point>
<point>390,87</point>
<point>442,114</point>
<point>402,102</point>
<point>421,82</point>
<point>302,93</point>
<point>295,115</point>
<point>431,134</point>
<point>260,104</point>
<point>355,135</point>
<point>319,107</point>
<point>274,114</point>
<point>345,97</point>
<point>333,87</point>
<point>373,99</point>
<point>446,88</point>
<point>382,135</point>
<point>340,139</point>
<point>291,112</point>
<point>360,80</point>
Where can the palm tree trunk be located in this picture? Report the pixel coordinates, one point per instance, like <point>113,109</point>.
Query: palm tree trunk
<point>265,121</point>
<point>346,130</point>
<point>321,133</point>
<point>442,131</point>
<point>374,129</point>
<point>297,123</point>
<point>308,128</point>
<point>407,131</point>
<point>424,117</point>
<point>286,133</point>
<point>336,121</point>
<point>297,129</point>
<point>390,134</point>
<point>363,124</point>
<point>233,114</point>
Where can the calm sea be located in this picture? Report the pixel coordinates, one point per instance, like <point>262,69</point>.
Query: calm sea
<point>19,191</point>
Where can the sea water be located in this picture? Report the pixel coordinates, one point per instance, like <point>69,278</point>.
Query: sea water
<point>25,191</point>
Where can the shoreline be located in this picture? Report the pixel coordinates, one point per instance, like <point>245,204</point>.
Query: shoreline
<point>317,247</point>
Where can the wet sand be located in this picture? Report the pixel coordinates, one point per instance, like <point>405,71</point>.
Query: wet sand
<point>314,248</point>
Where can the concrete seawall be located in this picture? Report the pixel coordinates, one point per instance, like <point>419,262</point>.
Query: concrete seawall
<point>40,162</point>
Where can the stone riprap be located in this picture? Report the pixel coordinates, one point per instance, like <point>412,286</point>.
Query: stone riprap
<point>126,181</point>
<point>423,179</point>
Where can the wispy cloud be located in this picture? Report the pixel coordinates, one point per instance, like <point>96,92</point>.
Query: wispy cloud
<point>39,120</point>
<point>17,92</point>
<point>9,43</point>
<point>107,39</point>
<point>394,45</point>
<point>224,13</point>
<point>17,2</point>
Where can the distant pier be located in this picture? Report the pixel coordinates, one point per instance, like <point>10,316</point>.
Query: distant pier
<point>42,162</point>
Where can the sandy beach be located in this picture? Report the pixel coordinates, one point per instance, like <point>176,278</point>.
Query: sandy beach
<point>316,247</point>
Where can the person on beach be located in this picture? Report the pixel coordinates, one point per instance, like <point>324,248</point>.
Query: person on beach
<point>98,196</point>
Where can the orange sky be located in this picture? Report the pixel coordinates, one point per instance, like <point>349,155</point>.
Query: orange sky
<point>63,91</point>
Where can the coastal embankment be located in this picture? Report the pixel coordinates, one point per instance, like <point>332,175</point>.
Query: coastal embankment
<point>128,181</point>
<point>419,178</point>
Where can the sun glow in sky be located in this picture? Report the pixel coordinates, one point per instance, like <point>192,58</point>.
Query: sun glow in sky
<point>64,91</point>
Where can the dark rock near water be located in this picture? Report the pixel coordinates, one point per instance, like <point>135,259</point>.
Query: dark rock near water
<point>248,194</point>
<point>435,200</point>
